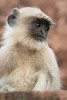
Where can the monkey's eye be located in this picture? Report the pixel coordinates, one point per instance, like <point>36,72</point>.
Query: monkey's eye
<point>46,29</point>
<point>38,24</point>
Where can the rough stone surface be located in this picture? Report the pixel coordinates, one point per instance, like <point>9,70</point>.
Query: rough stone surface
<point>53,95</point>
<point>57,9</point>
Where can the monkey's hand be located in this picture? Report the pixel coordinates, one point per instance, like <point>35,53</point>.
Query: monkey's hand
<point>7,88</point>
<point>41,83</point>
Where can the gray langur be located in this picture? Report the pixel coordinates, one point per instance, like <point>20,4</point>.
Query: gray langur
<point>26,61</point>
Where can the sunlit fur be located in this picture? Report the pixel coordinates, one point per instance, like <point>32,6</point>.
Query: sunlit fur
<point>27,64</point>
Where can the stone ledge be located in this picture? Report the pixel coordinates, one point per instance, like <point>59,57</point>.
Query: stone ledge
<point>48,95</point>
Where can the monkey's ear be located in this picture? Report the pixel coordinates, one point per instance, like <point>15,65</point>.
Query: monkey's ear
<point>12,17</point>
<point>52,23</point>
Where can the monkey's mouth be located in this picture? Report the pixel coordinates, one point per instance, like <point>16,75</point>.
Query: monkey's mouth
<point>38,37</point>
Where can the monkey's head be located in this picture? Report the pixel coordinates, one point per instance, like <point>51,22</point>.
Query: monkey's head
<point>30,26</point>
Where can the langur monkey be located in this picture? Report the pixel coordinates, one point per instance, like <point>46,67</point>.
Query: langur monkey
<point>26,61</point>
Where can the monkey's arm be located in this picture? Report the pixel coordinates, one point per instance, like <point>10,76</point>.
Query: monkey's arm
<point>53,69</point>
<point>6,60</point>
<point>51,79</point>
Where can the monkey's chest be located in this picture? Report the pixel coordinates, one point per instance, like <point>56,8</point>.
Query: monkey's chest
<point>33,61</point>
<point>26,72</point>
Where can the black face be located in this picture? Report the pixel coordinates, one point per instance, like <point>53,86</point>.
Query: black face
<point>39,29</point>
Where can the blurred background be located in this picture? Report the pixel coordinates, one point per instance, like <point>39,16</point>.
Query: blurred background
<point>57,9</point>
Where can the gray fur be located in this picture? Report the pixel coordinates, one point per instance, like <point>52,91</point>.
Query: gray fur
<point>12,17</point>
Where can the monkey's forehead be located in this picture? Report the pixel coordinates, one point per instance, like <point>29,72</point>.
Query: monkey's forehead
<point>32,11</point>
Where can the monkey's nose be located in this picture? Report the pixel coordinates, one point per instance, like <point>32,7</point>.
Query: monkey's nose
<point>42,32</point>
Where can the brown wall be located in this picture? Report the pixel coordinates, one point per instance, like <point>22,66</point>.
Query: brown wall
<point>57,9</point>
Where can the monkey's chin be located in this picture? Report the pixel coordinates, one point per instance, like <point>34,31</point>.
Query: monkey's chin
<point>39,38</point>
